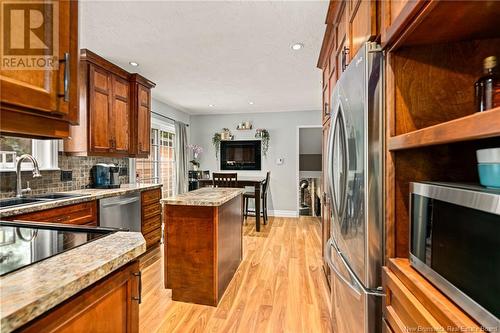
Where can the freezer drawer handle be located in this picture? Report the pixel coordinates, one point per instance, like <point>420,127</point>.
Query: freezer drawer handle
<point>369,291</point>
<point>328,257</point>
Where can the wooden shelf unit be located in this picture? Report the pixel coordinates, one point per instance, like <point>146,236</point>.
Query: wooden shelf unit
<point>479,125</point>
<point>411,298</point>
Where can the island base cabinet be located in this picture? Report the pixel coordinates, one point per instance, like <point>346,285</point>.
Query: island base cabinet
<point>203,250</point>
<point>110,305</point>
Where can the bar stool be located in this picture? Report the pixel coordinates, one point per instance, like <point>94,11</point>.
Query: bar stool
<point>251,195</point>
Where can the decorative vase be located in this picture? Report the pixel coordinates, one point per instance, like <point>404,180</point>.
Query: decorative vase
<point>195,167</point>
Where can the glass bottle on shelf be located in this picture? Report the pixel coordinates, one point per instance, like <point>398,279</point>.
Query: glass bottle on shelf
<point>487,88</point>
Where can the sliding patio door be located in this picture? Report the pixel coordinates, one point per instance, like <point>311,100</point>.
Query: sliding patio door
<point>159,167</point>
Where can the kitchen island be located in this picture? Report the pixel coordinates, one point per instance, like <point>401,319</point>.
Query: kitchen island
<point>68,278</point>
<point>204,243</point>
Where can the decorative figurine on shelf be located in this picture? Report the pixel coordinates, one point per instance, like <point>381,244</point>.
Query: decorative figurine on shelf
<point>226,134</point>
<point>246,125</point>
<point>197,151</point>
<point>263,134</point>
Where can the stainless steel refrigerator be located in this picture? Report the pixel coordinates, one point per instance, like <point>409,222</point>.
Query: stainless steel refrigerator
<point>355,185</point>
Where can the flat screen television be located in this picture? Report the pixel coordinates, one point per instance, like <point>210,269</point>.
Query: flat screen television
<point>240,155</point>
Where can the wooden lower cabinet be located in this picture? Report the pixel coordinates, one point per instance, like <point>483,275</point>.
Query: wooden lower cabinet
<point>204,247</point>
<point>82,214</point>
<point>413,303</point>
<point>110,305</point>
<point>151,217</point>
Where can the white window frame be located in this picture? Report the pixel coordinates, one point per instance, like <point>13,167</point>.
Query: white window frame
<point>160,126</point>
<point>44,151</point>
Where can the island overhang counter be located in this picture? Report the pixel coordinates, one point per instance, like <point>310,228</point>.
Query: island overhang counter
<point>204,243</point>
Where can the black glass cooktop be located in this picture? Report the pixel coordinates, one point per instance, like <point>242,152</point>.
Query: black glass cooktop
<point>23,244</point>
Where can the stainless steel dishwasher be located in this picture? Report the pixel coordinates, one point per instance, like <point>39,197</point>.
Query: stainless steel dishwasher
<point>122,211</point>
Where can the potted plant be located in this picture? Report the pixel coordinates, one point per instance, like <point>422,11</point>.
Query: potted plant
<point>216,139</point>
<point>263,134</point>
<point>197,150</point>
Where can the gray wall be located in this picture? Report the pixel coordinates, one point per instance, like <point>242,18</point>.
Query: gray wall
<point>282,127</point>
<point>169,111</point>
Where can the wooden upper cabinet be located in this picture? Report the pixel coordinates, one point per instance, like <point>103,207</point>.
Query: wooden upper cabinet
<point>362,23</point>
<point>395,17</point>
<point>141,115</point>
<point>115,118</point>
<point>100,113</point>
<point>42,102</point>
<point>120,115</point>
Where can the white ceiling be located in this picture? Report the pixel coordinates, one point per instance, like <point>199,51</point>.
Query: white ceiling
<point>226,53</point>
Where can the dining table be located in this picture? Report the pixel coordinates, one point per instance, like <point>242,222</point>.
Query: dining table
<point>243,181</point>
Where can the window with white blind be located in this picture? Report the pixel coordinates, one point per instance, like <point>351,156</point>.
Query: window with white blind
<point>159,167</point>
<point>44,151</point>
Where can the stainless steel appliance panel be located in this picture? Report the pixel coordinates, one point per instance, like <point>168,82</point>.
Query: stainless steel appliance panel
<point>354,173</point>
<point>454,243</point>
<point>122,211</point>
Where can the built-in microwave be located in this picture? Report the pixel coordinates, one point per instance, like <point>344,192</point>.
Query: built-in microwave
<point>455,244</point>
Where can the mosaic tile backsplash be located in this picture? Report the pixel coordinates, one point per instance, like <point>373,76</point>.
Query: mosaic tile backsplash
<point>51,180</point>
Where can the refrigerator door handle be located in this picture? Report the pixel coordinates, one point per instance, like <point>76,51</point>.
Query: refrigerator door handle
<point>345,160</point>
<point>328,257</point>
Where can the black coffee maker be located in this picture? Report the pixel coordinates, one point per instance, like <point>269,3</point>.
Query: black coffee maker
<point>105,176</point>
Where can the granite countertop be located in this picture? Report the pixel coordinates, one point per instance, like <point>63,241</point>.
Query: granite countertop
<point>206,196</point>
<point>88,194</point>
<point>31,291</point>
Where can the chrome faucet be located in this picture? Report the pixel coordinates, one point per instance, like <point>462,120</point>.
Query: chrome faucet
<point>36,173</point>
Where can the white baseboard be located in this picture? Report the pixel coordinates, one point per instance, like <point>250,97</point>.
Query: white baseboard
<point>283,213</point>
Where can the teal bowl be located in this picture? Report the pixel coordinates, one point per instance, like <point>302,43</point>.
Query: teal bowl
<point>489,174</point>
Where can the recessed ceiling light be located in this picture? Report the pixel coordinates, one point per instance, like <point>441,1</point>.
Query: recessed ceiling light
<point>297,46</point>
<point>211,105</point>
<point>133,63</point>
<point>251,103</point>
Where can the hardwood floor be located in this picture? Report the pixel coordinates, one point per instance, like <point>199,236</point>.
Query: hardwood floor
<point>279,287</point>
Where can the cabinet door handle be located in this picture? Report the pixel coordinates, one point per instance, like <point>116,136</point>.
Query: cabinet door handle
<point>139,298</point>
<point>345,52</point>
<point>67,73</point>
<point>140,146</point>
<point>327,112</point>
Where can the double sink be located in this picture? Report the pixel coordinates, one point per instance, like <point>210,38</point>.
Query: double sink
<point>36,199</point>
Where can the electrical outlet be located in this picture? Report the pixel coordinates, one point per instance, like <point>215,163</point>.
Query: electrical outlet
<point>66,175</point>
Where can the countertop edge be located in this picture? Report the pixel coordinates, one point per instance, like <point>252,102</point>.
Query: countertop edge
<point>7,212</point>
<point>198,202</point>
<point>57,296</point>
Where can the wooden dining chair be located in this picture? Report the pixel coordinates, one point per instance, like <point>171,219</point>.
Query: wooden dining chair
<point>225,179</point>
<point>251,195</point>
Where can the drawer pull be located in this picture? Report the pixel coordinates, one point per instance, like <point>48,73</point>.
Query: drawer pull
<point>139,284</point>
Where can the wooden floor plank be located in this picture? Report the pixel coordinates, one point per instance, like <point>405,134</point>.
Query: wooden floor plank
<point>279,286</point>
